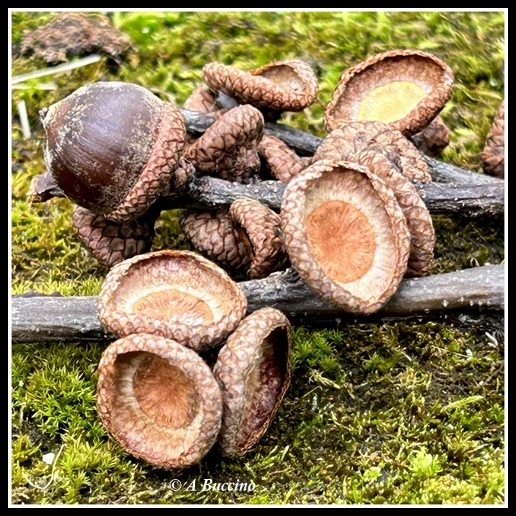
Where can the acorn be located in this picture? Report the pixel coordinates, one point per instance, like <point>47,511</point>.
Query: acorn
<point>112,147</point>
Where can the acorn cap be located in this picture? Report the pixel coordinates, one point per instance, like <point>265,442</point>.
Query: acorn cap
<point>159,400</point>
<point>404,88</point>
<point>213,235</point>
<point>259,228</point>
<point>112,242</point>
<point>493,153</point>
<point>111,147</point>
<point>419,220</point>
<point>433,138</point>
<point>253,371</point>
<point>345,234</point>
<point>201,99</point>
<point>286,85</point>
<point>228,148</point>
<point>343,144</point>
<point>281,161</point>
<point>173,293</point>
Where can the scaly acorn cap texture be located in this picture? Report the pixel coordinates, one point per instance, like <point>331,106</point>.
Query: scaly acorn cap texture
<point>111,242</point>
<point>112,146</point>
<point>419,219</point>
<point>285,85</point>
<point>343,144</point>
<point>159,400</point>
<point>229,147</point>
<point>493,153</point>
<point>253,371</point>
<point>212,234</point>
<point>433,138</point>
<point>177,294</point>
<point>259,228</point>
<point>280,160</point>
<point>345,234</point>
<point>403,88</point>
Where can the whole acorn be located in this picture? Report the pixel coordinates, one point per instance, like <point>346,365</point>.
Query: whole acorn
<point>112,147</point>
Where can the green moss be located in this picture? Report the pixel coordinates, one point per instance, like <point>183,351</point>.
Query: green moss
<point>391,413</point>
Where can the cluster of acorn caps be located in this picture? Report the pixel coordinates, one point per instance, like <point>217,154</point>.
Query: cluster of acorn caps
<point>351,223</point>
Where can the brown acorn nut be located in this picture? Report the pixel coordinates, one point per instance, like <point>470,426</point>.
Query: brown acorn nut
<point>285,85</point>
<point>349,139</point>
<point>112,147</point>
<point>403,88</point>
<point>493,153</point>
<point>259,228</point>
<point>345,234</point>
<point>228,148</point>
<point>253,371</point>
<point>173,293</point>
<point>159,400</point>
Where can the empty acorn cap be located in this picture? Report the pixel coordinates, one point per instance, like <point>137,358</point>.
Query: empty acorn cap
<point>493,153</point>
<point>344,143</point>
<point>112,242</point>
<point>433,138</point>
<point>159,400</point>
<point>253,371</point>
<point>345,234</point>
<point>229,147</point>
<point>212,234</point>
<point>286,85</point>
<point>259,228</point>
<point>281,161</point>
<point>402,87</point>
<point>419,219</point>
<point>173,293</point>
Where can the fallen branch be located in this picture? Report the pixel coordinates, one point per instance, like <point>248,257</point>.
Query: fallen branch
<point>305,144</point>
<point>471,291</point>
<point>211,192</point>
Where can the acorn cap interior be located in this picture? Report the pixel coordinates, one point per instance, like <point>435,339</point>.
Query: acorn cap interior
<point>177,294</point>
<point>253,370</point>
<point>345,233</point>
<point>159,399</point>
<point>402,88</point>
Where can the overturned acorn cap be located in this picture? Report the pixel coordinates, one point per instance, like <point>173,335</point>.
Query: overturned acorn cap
<point>280,160</point>
<point>253,371</point>
<point>493,153</point>
<point>419,219</point>
<point>159,400</point>
<point>259,228</point>
<point>349,139</point>
<point>433,138</point>
<point>285,85</point>
<point>404,88</point>
<point>173,293</point>
<point>111,242</point>
<point>229,147</point>
<point>213,234</point>
<point>345,234</point>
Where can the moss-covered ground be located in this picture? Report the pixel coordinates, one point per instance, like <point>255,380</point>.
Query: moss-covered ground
<point>393,413</point>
